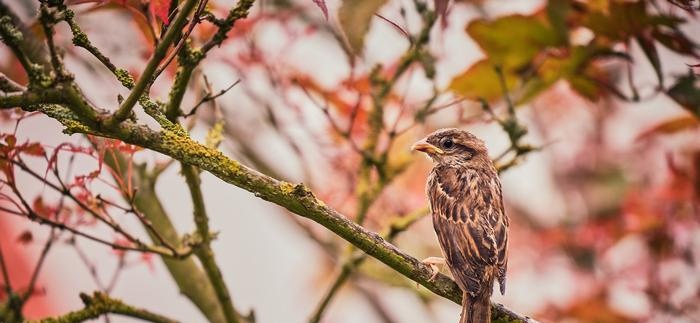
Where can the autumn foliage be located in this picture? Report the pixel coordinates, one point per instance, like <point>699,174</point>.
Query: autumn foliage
<point>589,108</point>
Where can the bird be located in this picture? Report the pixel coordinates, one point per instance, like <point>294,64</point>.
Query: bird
<point>464,192</point>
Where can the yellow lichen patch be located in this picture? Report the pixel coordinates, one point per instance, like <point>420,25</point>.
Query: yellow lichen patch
<point>194,153</point>
<point>286,187</point>
<point>215,135</point>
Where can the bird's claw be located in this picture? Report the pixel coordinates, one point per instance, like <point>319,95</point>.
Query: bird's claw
<point>433,262</point>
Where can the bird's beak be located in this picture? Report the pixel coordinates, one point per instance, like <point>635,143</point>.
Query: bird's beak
<point>424,146</point>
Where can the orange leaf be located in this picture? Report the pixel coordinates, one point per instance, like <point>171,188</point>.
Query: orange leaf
<point>34,149</point>
<point>670,126</point>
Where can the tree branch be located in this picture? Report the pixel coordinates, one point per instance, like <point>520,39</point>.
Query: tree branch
<point>204,252</point>
<point>174,142</point>
<point>189,58</point>
<point>188,276</point>
<point>147,76</point>
<point>99,304</point>
<point>397,226</point>
<point>12,37</point>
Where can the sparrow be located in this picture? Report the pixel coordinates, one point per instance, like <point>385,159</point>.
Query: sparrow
<point>464,192</point>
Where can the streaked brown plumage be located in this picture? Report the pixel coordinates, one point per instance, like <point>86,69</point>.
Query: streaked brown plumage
<point>468,217</point>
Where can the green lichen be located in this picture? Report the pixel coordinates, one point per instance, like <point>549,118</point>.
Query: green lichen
<point>66,117</point>
<point>72,126</point>
<point>236,13</point>
<point>79,37</point>
<point>125,78</point>
<point>9,32</point>
<point>191,152</point>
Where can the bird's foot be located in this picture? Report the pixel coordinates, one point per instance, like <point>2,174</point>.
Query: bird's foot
<point>433,262</point>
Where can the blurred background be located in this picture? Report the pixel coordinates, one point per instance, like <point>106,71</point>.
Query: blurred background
<point>602,190</point>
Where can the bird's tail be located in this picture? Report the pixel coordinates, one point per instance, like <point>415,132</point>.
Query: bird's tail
<point>476,309</point>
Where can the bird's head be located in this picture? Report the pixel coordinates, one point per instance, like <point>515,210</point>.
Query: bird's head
<point>453,146</point>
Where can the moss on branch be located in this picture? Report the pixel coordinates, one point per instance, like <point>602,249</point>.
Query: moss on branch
<point>99,304</point>
<point>295,197</point>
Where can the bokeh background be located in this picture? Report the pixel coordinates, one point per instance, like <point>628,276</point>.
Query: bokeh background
<point>604,212</point>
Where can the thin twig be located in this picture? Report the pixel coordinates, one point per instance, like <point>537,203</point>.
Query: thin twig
<point>5,274</point>
<point>40,263</point>
<point>147,75</point>
<point>92,269</point>
<point>183,39</point>
<point>116,274</point>
<point>209,97</point>
<point>7,85</point>
<point>63,189</point>
<point>397,226</point>
<point>34,217</point>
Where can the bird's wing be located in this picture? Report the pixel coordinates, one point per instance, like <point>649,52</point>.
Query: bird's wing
<point>469,229</point>
<point>501,232</point>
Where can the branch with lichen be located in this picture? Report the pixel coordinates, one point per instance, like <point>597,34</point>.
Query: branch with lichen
<point>188,276</point>
<point>297,198</point>
<point>99,304</point>
<point>66,104</point>
<point>188,59</point>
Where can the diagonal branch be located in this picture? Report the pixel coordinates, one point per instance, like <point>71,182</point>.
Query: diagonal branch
<point>174,142</point>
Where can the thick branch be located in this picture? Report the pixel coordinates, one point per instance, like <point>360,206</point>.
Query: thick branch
<point>175,143</point>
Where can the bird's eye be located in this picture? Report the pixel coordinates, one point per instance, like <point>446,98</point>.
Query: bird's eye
<point>447,143</point>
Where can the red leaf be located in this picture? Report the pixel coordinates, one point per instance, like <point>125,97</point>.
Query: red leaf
<point>321,4</point>
<point>34,149</point>
<point>41,209</point>
<point>441,9</point>
<point>121,242</point>
<point>160,8</point>
<point>25,237</point>
<point>147,258</point>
